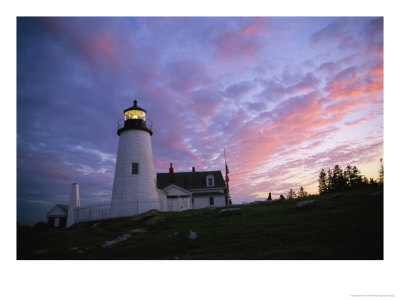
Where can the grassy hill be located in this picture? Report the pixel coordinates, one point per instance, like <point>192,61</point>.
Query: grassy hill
<point>347,225</point>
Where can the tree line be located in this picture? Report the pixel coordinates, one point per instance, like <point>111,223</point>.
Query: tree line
<point>350,178</point>
<point>338,180</point>
<point>292,194</point>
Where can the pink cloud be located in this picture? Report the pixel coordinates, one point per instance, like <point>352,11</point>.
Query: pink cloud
<point>356,122</point>
<point>242,43</point>
<point>354,82</point>
<point>301,119</point>
<point>58,174</point>
<point>291,128</point>
<point>304,172</point>
<point>254,26</point>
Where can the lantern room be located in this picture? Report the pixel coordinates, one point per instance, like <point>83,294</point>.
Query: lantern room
<point>135,112</point>
<point>134,118</point>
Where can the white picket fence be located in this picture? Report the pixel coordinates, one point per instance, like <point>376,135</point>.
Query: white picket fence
<point>107,210</point>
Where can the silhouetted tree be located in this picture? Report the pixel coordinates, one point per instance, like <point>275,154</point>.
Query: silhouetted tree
<point>322,184</point>
<point>364,180</point>
<point>302,193</point>
<point>347,177</point>
<point>291,194</point>
<point>281,197</point>
<point>381,172</point>
<point>338,179</point>
<point>356,178</point>
<point>329,182</point>
<point>269,197</point>
<point>372,181</point>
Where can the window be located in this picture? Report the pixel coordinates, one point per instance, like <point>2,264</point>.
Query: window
<point>211,200</point>
<point>135,168</point>
<point>210,180</point>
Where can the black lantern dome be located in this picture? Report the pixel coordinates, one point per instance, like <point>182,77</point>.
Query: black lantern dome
<point>135,118</point>
<point>135,112</point>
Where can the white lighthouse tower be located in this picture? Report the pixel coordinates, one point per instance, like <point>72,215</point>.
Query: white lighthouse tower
<point>134,190</point>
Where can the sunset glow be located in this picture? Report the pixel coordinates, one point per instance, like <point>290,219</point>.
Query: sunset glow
<point>285,97</point>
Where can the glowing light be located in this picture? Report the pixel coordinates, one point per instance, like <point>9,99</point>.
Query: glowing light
<point>135,114</point>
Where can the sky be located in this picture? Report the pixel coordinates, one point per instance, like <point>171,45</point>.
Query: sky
<point>284,96</point>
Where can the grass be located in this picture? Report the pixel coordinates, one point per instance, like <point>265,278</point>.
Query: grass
<point>349,226</point>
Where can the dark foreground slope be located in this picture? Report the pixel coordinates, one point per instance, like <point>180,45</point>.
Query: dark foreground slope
<point>335,226</point>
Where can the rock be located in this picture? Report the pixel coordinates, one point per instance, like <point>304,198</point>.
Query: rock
<point>155,220</point>
<point>272,201</point>
<point>255,203</point>
<point>75,249</point>
<point>336,196</point>
<point>146,215</point>
<point>116,241</point>
<point>375,194</point>
<point>42,251</point>
<point>304,203</point>
<point>138,230</point>
<point>192,235</point>
<point>172,234</point>
<point>228,211</point>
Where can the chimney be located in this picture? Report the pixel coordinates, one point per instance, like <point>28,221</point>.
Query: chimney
<point>171,173</point>
<point>193,170</point>
<point>74,202</point>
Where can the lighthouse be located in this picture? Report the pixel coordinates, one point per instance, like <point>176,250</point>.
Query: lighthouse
<point>134,189</point>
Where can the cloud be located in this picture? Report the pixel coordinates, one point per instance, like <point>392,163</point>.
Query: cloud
<point>335,31</point>
<point>287,175</point>
<point>355,122</point>
<point>294,122</point>
<point>372,33</point>
<point>257,106</point>
<point>328,67</point>
<point>276,90</point>
<point>243,41</point>
<point>239,89</point>
<point>185,75</point>
<point>355,81</point>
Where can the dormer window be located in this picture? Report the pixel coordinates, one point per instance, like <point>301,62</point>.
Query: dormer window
<point>210,181</point>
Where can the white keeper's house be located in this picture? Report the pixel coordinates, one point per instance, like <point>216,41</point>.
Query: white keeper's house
<point>191,190</point>
<point>138,188</point>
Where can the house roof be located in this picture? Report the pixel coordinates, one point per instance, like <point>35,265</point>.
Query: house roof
<point>58,210</point>
<point>208,194</point>
<point>190,180</point>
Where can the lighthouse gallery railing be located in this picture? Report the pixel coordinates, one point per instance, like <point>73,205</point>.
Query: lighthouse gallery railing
<point>108,210</point>
<point>148,123</point>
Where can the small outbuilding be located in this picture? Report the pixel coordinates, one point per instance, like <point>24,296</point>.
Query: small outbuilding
<point>57,216</point>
